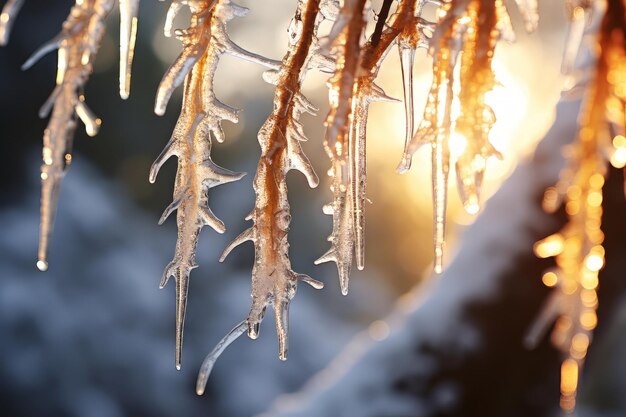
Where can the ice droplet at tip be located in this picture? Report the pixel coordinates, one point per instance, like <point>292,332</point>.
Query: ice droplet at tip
<point>42,265</point>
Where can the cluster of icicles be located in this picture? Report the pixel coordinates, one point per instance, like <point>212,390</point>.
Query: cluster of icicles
<point>601,139</point>
<point>461,38</point>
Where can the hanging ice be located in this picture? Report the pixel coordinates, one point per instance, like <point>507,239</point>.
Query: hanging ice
<point>344,40</point>
<point>274,283</point>
<point>470,29</point>
<point>77,46</point>
<point>204,42</point>
<point>352,90</point>
<point>578,246</point>
<point>128,36</point>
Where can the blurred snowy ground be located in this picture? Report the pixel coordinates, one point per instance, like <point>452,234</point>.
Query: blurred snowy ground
<point>93,336</point>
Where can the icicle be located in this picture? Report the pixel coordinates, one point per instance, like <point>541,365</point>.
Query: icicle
<point>7,17</point>
<point>274,283</point>
<point>578,246</point>
<point>476,119</point>
<point>77,45</point>
<point>579,13</point>
<point>352,90</point>
<point>128,35</point>
<point>358,174</point>
<point>472,27</point>
<point>204,42</point>
<point>344,41</point>
<point>407,56</point>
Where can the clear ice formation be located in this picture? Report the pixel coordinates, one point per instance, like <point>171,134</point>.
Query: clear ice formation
<point>577,248</point>
<point>77,45</point>
<point>344,40</point>
<point>274,283</point>
<point>465,35</point>
<point>128,36</point>
<point>7,17</point>
<point>352,90</point>
<point>202,114</point>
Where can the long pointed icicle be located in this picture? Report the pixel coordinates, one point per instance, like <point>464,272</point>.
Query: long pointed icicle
<point>578,248</point>
<point>77,45</point>
<point>473,28</point>
<point>7,17</point>
<point>204,42</point>
<point>128,36</point>
<point>345,38</point>
<point>274,283</point>
<point>353,83</point>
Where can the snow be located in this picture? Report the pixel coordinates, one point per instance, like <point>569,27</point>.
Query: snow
<point>92,335</point>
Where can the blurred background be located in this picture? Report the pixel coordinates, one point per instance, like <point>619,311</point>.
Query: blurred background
<point>94,336</point>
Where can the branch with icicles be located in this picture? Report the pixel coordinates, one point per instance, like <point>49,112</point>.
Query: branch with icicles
<point>471,29</point>
<point>77,45</point>
<point>352,90</point>
<point>578,248</point>
<point>204,42</point>
<point>274,283</point>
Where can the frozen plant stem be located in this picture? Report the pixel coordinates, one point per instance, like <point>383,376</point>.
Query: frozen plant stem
<point>274,283</point>
<point>353,83</point>
<point>204,42</point>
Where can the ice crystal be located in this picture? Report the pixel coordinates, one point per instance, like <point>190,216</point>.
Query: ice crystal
<point>204,42</point>
<point>274,283</point>
<point>578,248</point>
<point>77,45</point>
<point>469,29</point>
